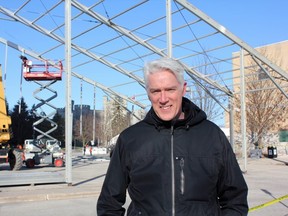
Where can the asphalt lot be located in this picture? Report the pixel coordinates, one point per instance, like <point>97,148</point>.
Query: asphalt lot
<point>267,180</point>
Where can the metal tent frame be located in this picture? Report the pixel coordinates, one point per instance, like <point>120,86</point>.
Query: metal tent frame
<point>113,39</point>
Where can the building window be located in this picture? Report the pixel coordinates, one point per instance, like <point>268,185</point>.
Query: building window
<point>262,75</point>
<point>283,136</point>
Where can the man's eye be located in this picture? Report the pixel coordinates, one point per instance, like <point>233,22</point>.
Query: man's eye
<point>171,90</point>
<point>155,91</point>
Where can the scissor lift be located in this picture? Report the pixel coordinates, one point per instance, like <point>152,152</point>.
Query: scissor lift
<point>50,73</point>
<point>41,71</point>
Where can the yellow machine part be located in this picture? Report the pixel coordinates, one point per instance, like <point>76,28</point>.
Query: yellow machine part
<point>5,120</point>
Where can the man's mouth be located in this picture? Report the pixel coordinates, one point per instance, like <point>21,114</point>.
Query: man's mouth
<point>166,107</point>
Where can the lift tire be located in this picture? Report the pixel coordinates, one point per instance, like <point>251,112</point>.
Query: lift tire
<point>30,163</point>
<point>58,162</point>
<point>15,159</point>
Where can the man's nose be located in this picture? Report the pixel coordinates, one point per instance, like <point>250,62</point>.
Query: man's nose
<point>163,97</point>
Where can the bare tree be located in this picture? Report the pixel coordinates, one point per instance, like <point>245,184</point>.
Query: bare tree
<point>202,93</point>
<point>106,130</point>
<point>86,134</point>
<point>266,106</point>
<point>115,119</point>
<point>120,118</point>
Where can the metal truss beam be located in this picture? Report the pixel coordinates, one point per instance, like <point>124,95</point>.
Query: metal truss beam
<point>144,43</point>
<point>231,36</point>
<point>117,28</point>
<point>92,82</point>
<point>74,46</point>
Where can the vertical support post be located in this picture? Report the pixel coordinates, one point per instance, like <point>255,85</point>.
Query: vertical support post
<point>81,111</point>
<point>94,114</point>
<point>169,28</point>
<point>231,122</point>
<point>68,109</point>
<point>243,109</point>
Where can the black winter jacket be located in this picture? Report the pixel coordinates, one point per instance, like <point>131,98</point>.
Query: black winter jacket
<point>186,167</point>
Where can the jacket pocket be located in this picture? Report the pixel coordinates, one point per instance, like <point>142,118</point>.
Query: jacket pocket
<point>200,178</point>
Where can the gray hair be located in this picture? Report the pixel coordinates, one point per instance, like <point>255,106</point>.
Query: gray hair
<point>161,64</point>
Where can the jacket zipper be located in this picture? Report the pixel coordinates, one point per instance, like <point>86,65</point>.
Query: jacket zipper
<point>172,170</point>
<point>182,176</point>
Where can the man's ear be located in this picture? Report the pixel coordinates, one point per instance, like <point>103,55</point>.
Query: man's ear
<point>184,88</point>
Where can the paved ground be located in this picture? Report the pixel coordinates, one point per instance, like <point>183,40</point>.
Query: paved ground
<point>267,180</point>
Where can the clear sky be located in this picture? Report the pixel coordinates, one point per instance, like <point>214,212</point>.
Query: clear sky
<point>257,22</point>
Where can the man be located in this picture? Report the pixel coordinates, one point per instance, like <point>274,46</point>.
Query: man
<point>175,161</point>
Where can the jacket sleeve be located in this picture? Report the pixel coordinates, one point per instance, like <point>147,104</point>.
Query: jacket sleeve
<point>232,188</point>
<point>113,193</point>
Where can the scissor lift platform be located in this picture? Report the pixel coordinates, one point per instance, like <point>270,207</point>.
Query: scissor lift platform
<point>41,71</point>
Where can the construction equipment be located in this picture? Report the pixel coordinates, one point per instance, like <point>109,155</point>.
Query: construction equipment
<point>43,152</point>
<point>43,149</point>
<point>7,153</point>
<point>41,70</point>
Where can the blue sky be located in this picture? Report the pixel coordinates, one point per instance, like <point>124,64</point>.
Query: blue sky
<point>256,22</point>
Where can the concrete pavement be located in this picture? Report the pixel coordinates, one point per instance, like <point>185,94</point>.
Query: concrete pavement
<point>267,180</point>
<point>87,176</point>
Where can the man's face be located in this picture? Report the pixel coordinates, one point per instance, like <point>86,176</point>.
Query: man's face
<point>165,94</point>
